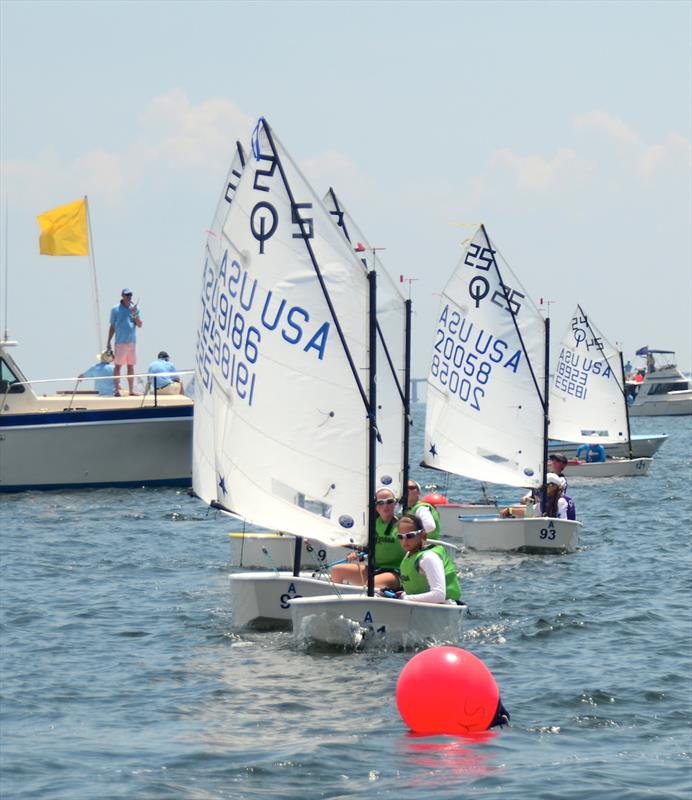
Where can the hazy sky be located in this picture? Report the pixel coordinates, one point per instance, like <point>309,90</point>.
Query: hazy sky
<point>564,127</point>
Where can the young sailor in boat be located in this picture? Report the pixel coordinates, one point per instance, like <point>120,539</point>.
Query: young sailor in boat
<point>427,573</point>
<point>591,453</point>
<point>427,512</point>
<point>556,506</point>
<point>388,550</point>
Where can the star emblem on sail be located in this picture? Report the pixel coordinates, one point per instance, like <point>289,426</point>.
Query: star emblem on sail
<point>433,450</point>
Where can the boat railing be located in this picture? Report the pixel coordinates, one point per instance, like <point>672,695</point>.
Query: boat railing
<point>145,381</point>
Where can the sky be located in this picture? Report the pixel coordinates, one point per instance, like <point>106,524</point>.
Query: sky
<point>563,126</point>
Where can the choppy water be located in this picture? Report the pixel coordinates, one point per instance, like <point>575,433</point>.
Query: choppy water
<point>121,675</point>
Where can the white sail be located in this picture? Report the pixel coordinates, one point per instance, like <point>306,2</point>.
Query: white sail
<point>391,351</point>
<point>485,404</point>
<point>280,378</point>
<point>587,402</point>
<point>204,468</point>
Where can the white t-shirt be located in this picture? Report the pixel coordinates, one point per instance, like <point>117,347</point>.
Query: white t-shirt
<point>431,566</point>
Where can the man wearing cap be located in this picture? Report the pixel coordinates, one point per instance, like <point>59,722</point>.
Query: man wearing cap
<point>556,464</point>
<point>125,319</point>
<point>162,373</point>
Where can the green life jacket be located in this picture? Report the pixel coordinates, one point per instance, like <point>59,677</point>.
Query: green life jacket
<point>413,581</point>
<point>388,551</point>
<point>434,534</point>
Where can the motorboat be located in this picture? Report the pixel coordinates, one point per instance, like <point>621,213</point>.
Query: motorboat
<point>73,437</point>
<point>664,390</point>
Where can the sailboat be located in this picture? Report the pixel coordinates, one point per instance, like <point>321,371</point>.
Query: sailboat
<point>487,399</point>
<point>588,401</point>
<point>282,419</point>
<point>285,374</point>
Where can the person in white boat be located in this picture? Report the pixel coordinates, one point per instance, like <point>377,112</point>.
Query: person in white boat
<point>556,506</point>
<point>591,453</point>
<point>125,319</point>
<point>388,550</point>
<point>427,512</point>
<point>160,372</point>
<point>427,573</point>
<point>103,369</point>
<point>650,363</point>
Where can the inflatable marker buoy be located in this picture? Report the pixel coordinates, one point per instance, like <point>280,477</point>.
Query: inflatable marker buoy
<point>435,499</point>
<point>447,690</point>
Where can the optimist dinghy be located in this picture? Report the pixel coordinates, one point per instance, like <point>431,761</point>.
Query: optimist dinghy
<point>487,398</point>
<point>588,401</point>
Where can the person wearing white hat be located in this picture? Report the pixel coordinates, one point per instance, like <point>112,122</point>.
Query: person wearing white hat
<point>102,369</point>
<point>554,504</point>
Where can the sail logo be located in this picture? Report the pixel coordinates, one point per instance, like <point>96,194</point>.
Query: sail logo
<point>581,334</point>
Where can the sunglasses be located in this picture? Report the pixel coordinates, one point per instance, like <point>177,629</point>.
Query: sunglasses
<point>388,502</point>
<point>409,535</point>
<point>412,487</point>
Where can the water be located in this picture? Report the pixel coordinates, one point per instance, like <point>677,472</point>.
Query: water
<point>122,677</point>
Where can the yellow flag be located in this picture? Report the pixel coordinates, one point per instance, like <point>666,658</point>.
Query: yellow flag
<point>64,230</point>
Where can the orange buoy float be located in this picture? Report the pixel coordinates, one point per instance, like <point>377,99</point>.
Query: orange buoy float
<point>435,499</point>
<point>447,690</point>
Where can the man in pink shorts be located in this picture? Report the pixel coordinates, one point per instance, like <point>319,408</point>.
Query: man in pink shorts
<point>125,319</point>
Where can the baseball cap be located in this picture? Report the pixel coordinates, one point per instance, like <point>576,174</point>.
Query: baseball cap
<point>557,457</point>
<point>126,291</point>
<point>551,477</point>
<point>163,354</point>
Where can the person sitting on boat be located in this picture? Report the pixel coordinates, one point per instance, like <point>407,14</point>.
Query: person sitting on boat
<point>162,372</point>
<point>571,508</point>
<point>427,512</point>
<point>427,573</point>
<point>102,369</point>
<point>591,453</point>
<point>639,377</point>
<point>388,550</point>
<point>555,504</point>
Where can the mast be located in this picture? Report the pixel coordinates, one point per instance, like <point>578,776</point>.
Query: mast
<point>546,404</point>
<point>372,431</point>
<point>92,260</point>
<point>627,408</point>
<point>407,401</point>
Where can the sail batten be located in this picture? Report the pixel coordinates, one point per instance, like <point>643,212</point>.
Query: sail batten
<point>485,408</point>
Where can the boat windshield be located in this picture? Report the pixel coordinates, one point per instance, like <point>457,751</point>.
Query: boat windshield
<point>673,386</point>
<point>9,382</point>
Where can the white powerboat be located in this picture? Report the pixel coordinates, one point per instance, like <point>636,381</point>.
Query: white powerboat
<point>665,391</point>
<point>75,438</point>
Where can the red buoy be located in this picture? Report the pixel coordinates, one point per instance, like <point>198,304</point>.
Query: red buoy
<point>447,690</point>
<point>435,499</point>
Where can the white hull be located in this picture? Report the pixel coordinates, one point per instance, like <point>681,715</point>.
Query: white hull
<point>247,551</point>
<point>671,406</point>
<point>352,621</point>
<point>136,451</point>
<point>533,534</point>
<point>643,446</point>
<point>451,514</point>
<point>612,468</point>
<point>264,599</point>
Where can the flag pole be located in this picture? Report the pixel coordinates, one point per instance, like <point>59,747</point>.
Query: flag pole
<point>92,259</point>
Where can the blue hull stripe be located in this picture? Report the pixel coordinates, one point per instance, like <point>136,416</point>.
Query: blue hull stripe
<point>111,415</point>
<point>112,485</point>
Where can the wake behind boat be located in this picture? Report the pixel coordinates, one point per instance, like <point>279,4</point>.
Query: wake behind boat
<point>79,439</point>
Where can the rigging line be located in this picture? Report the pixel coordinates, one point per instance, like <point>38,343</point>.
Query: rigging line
<point>342,224</point>
<point>315,265</point>
<point>514,320</point>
